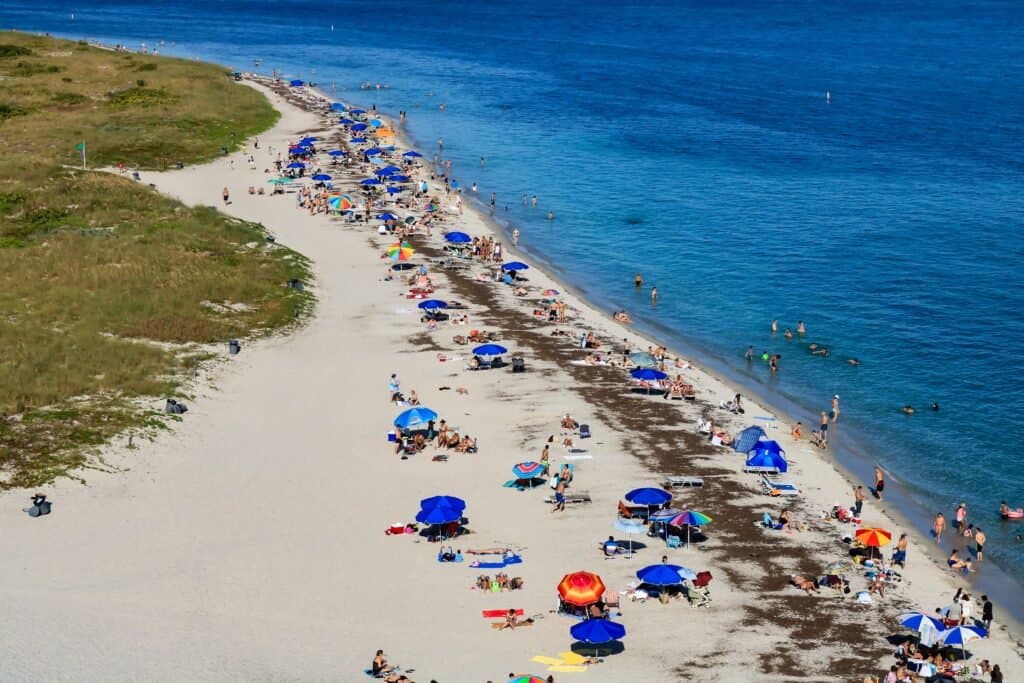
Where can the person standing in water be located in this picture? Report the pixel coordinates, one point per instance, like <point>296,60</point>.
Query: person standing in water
<point>879,482</point>
<point>515,235</point>
<point>551,216</point>
<point>938,527</point>
<point>775,327</point>
<point>638,281</point>
<point>979,542</point>
<point>749,355</point>
<point>654,295</point>
<point>800,329</point>
<point>835,408</point>
<point>824,427</point>
<point>533,201</point>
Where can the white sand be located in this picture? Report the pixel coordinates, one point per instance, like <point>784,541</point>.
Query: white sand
<point>248,544</point>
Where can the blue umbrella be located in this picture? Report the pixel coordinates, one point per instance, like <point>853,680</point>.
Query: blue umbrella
<point>376,123</point>
<point>766,458</point>
<point>490,350</point>
<point>337,106</point>
<point>359,126</point>
<point>514,265</point>
<point>296,164</point>
<point>767,445</point>
<point>355,112</point>
<point>664,515</point>
<point>415,416</point>
<point>358,139</point>
<point>306,140</point>
<point>369,181</point>
<point>387,217</point>
<point>928,628</point>
<point>458,237</point>
<point>649,496</point>
<point>346,121</point>
<point>385,172</point>
<point>959,635</point>
<point>336,153</point>
<point>411,154</point>
<point>443,501</point>
<point>747,439</point>
<point>438,515</point>
<point>597,631</point>
<point>661,575</point>
<point>398,178</point>
<point>394,190</point>
<point>390,169</point>
<point>373,151</point>
<point>296,83</point>
<point>647,374</point>
<point>432,304</point>
<point>321,177</point>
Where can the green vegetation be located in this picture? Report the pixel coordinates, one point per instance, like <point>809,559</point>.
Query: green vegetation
<point>108,290</point>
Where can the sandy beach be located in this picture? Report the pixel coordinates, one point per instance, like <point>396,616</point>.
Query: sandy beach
<point>249,543</point>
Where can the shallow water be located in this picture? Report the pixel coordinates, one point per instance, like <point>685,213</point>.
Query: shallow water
<point>696,145</point>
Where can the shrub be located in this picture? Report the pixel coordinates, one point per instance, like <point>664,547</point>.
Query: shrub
<point>7,50</point>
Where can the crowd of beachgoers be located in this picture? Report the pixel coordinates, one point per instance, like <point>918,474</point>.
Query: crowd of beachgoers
<point>359,172</point>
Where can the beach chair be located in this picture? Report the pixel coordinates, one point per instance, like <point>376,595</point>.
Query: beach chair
<point>680,482</point>
<point>757,469</point>
<point>673,542</point>
<point>584,431</point>
<point>572,497</point>
<point>776,487</point>
<point>697,596</point>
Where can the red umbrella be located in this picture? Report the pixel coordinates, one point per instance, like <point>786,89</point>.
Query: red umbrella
<point>581,589</point>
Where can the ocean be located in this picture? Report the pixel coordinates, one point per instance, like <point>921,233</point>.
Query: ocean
<point>855,165</point>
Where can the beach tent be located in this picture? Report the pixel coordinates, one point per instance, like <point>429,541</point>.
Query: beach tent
<point>762,457</point>
<point>767,445</point>
<point>746,440</point>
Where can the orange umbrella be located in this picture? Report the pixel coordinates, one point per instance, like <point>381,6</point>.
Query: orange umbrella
<point>873,538</point>
<point>581,588</point>
<point>385,133</point>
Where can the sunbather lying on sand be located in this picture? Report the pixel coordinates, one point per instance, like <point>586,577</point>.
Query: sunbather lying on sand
<point>807,584</point>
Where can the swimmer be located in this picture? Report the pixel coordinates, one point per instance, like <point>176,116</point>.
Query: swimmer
<point>853,361</point>
<point>788,334</point>
<point>533,201</point>
<point>775,326</point>
<point>551,216</point>
<point>820,351</point>
<point>935,407</point>
<point>654,295</point>
<point>812,345</point>
<point>800,329</point>
<point>638,281</point>
<point>1004,510</point>
<point>749,355</point>
<point>908,409</point>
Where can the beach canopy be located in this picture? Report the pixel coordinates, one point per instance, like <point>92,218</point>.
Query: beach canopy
<point>647,374</point>
<point>765,458</point>
<point>747,439</point>
<point>649,496</point>
<point>415,416</point>
<point>443,501</point>
<point>581,588</point>
<point>457,237</point>
<point>412,154</point>
<point>597,631</point>
<point>661,575</point>
<point>490,350</point>
<point>872,537</point>
<point>321,177</point>
<point>432,304</point>
<point>514,265</point>
<point>439,514</point>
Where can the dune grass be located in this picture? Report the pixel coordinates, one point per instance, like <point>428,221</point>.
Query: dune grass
<point>108,290</point>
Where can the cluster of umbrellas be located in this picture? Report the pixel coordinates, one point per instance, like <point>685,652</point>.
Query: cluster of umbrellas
<point>655,497</point>
<point>583,589</point>
<point>932,631</point>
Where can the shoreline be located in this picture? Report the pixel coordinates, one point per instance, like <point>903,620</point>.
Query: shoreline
<point>546,379</point>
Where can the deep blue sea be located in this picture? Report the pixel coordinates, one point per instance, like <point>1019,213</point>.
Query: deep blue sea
<point>693,142</point>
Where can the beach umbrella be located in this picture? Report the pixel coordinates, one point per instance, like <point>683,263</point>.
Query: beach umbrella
<point>443,501</point>
<point>630,526</point>
<point>373,151</point>
<point>432,304</point>
<point>550,293</point>
<point>411,154</point>
<point>414,416</point>
<point>390,169</point>
<point>336,153</point>
<point>337,106</point>
<point>747,439</point>
<point>489,350</point>
<point>929,629</point>
<point>357,139</point>
<point>387,216</point>
<point>369,181</point>
<point>581,588</point>
<point>661,575</point>
<point>514,265</point>
<point>356,112</point>
<point>385,133</point>
<point>346,121</point>
<point>597,631</point>
<point>838,567</point>
<point>765,458</point>
<point>872,537</point>
<point>664,515</point>
<point>458,237</point>
<point>690,518</point>
<point>296,83</point>
<point>648,496</point>
<point>527,678</point>
<point>528,471</point>
<point>304,142</point>
<point>296,164</point>
<point>398,178</point>
<point>376,123</point>
<point>405,265</point>
<point>321,177</point>
<point>400,252</point>
<point>438,515</point>
<point>647,374</point>
<point>643,359</point>
<point>359,126</point>
<point>960,635</point>
<point>393,190</point>
<point>409,220</point>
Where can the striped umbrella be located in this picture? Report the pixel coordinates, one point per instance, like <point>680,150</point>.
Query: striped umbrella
<point>527,678</point>
<point>528,471</point>
<point>581,589</point>
<point>690,518</point>
<point>400,252</point>
<point>873,537</point>
<point>959,635</point>
<point>928,628</point>
<point>665,515</point>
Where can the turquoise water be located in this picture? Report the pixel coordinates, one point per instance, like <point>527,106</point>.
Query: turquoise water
<point>695,144</point>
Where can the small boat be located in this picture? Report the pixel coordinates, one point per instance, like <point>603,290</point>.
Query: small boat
<point>1015,514</point>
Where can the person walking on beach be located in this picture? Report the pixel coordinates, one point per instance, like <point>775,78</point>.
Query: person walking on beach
<point>227,195</point>
<point>939,526</point>
<point>824,427</point>
<point>961,517</point>
<point>986,612</point>
<point>879,482</point>
<point>835,408</point>
<point>979,542</point>
<point>858,500</point>
<point>559,497</point>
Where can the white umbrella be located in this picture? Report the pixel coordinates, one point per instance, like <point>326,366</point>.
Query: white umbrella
<point>630,527</point>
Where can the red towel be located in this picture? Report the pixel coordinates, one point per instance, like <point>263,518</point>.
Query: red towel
<point>499,613</point>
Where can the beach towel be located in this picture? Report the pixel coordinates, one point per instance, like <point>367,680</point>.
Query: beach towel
<point>568,668</point>
<point>578,457</point>
<point>499,613</point>
<point>515,559</point>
